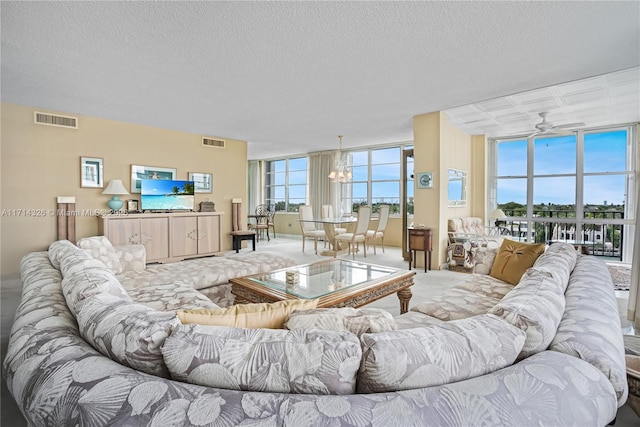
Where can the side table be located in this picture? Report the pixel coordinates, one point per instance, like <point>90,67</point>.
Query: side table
<point>420,239</point>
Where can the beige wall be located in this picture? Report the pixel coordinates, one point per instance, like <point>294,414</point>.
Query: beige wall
<point>40,163</point>
<point>438,147</point>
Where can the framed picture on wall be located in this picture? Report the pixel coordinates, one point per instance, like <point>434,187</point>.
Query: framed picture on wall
<point>203,182</point>
<point>132,205</point>
<point>91,172</point>
<point>138,173</point>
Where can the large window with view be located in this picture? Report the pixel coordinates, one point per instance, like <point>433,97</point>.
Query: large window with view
<point>286,183</point>
<point>574,188</point>
<point>376,179</point>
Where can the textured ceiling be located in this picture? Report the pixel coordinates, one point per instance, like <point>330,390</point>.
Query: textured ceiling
<point>290,76</point>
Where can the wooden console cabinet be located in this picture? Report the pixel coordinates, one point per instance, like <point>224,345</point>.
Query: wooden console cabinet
<point>167,237</point>
<point>420,239</point>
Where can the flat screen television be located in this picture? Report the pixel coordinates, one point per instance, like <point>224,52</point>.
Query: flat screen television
<point>166,195</point>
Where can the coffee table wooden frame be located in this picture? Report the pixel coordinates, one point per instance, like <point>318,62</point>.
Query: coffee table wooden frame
<point>399,282</point>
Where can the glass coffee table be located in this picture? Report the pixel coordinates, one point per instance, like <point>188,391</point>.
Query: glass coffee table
<point>335,283</point>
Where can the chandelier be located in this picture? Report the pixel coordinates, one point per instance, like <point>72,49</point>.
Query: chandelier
<point>341,173</point>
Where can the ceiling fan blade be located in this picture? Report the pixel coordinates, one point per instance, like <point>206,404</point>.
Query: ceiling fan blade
<point>569,125</point>
<point>534,134</point>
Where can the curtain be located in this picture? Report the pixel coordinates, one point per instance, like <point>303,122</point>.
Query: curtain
<point>255,184</point>
<point>633,309</point>
<point>321,190</point>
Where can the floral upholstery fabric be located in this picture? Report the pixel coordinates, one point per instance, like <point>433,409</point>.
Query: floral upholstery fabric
<point>535,305</point>
<point>439,354</point>
<point>483,259</point>
<point>356,321</point>
<point>267,360</point>
<point>587,329</point>
<point>128,333</point>
<point>58,379</point>
<point>456,304</point>
<point>206,274</point>
<point>485,285</point>
<point>100,248</point>
<point>56,249</point>
<point>85,276</point>
<point>414,319</point>
<point>559,258</point>
<point>170,297</point>
<point>132,257</point>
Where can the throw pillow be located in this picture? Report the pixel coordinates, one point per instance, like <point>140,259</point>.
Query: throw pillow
<point>263,315</point>
<point>100,248</point>
<point>513,259</point>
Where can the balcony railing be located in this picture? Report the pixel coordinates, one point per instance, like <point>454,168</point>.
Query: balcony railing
<point>600,239</point>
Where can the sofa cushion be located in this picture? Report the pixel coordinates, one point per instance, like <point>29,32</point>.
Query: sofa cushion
<point>129,333</point>
<point>438,354</point>
<point>456,304</point>
<point>265,360</point>
<point>536,306</point>
<point>560,258</point>
<point>483,258</point>
<point>588,329</point>
<point>513,259</point>
<point>356,321</point>
<point>56,249</point>
<point>100,248</point>
<point>205,272</point>
<point>84,276</point>
<point>262,315</point>
<point>132,257</point>
<point>170,297</point>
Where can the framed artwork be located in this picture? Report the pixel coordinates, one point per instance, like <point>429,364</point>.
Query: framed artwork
<point>132,205</point>
<point>203,182</point>
<point>139,173</point>
<point>91,172</point>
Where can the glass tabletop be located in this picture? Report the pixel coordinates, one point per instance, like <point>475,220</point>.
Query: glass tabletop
<point>319,279</point>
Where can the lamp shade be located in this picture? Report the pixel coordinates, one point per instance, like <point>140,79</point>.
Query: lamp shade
<point>498,214</point>
<point>115,188</point>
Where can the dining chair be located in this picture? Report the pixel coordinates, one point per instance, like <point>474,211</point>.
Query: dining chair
<point>262,221</point>
<point>271,224</point>
<point>358,235</point>
<point>327,213</point>
<point>309,231</point>
<point>237,233</point>
<point>373,235</point>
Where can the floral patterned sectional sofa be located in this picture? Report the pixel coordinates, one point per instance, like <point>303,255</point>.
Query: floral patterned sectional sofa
<point>88,349</point>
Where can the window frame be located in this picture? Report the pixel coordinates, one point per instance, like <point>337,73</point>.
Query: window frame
<point>270,198</point>
<point>580,221</point>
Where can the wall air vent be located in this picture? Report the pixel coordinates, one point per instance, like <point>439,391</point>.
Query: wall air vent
<point>55,120</point>
<point>216,143</point>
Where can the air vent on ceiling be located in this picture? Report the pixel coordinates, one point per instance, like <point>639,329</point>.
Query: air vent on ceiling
<point>216,143</point>
<point>55,120</point>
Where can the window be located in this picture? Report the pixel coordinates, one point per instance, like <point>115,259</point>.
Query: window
<point>376,179</point>
<point>568,187</point>
<point>286,183</point>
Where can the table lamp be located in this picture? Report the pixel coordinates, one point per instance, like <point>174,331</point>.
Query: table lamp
<point>115,188</point>
<point>498,215</point>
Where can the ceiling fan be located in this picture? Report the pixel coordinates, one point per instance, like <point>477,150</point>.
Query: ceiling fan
<point>548,128</point>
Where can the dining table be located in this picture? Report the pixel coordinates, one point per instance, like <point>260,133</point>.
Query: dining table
<point>329,225</point>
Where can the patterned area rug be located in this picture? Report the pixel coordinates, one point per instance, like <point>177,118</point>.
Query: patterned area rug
<point>621,276</point>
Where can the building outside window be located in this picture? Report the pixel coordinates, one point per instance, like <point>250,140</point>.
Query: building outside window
<point>576,188</point>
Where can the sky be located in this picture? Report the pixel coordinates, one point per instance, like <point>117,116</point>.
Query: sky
<point>603,152</point>
<point>154,187</point>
